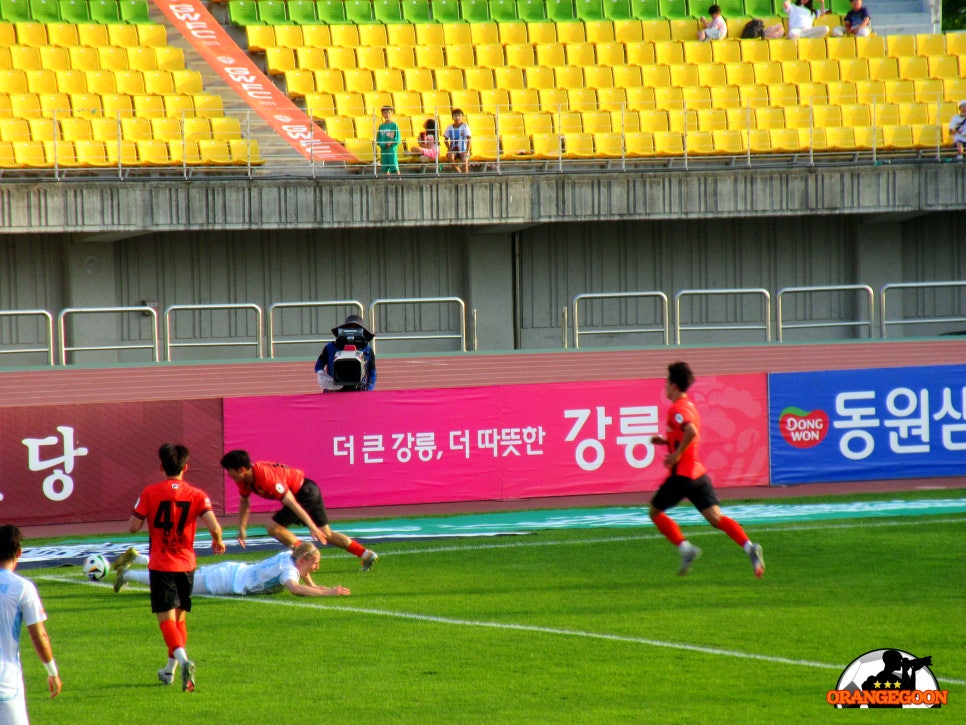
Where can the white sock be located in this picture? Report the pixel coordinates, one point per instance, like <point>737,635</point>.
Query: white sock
<point>749,545</point>
<point>181,655</point>
<point>172,666</point>
<point>141,577</point>
<point>142,559</point>
<point>685,546</point>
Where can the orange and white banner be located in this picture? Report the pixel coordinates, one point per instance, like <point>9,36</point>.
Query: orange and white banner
<point>233,64</point>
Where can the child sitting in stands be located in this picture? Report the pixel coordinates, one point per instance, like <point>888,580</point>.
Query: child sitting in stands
<point>714,29</point>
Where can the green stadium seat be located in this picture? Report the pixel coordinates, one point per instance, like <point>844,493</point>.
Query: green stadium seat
<point>389,12</point>
<point>360,12</point>
<point>135,12</point>
<point>45,11</point>
<point>303,12</point>
<point>243,13</point>
<point>273,12</point>
<point>730,9</point>
<point>15,11</point>
<point>475,11</point>
<point>618,10</point>
<point>588,10</point>
<point>561,11</point>
<point>105,12</point>
<point>532,11</point>
<point>646,10</point>
<point>446,11</point>
<point>332,12</point>
<point>674,9</point>
<point>417,11</point>
<point>75,11</point>
<point>504,11</point>
<point>762,9</point>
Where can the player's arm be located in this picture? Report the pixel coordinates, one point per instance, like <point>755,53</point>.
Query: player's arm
<point>690,433</point>
<point>304,590</point>
<point>134,524</point>
<point>244,506</point>
<point>289,500</point>
<point>217,545</point>
<point>41,642</point>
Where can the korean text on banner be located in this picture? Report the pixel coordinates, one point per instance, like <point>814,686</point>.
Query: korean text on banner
<point>469,444</point>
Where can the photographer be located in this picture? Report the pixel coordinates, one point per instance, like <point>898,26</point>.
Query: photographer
<point>347,363</point>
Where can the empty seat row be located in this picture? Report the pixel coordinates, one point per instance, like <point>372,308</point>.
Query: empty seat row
<point>148,152</point>
<point>108,129</point>
<point>130,82</point>
<point>118,105</point>
<point>88,34</point>
<point>27,58</point>
<point>75,11</point>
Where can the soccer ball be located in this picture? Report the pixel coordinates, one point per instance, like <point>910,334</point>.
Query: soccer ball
<point>96,567</point>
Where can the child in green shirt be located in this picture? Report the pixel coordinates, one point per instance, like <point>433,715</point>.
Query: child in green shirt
<point>387,138</point>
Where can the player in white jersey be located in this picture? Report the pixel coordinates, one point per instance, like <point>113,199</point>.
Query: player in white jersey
<point>285,570</point>
<point>19,605</point>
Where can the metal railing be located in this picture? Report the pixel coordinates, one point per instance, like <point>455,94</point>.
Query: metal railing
<point>869,308</point>
<point>274,340</point>
<point>765,325</point>
<point>48,327</point>
<point>662,328</point>
<point>141,310</point>
<point>382,303</point>
<point>885,320</point>
<point>170,312</point>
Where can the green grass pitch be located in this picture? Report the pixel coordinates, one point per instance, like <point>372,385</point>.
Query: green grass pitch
<point>587,626</point>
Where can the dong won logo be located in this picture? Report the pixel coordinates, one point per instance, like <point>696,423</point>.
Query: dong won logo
<point>887,678</point>
<point>803,429</point>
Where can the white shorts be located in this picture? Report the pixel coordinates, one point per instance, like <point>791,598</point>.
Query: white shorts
<point>714,33</point>
<point>14,710</point>
<point>217,578</point>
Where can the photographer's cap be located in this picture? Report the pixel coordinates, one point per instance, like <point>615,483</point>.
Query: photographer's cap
<point>354,321</point>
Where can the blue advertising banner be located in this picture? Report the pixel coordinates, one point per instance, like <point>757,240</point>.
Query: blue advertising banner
<point>866,425</point>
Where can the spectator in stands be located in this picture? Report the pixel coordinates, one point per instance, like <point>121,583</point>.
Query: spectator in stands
<point>427,148</point>
<point>387,139</point>
<point>957,129</point>
<point>801,19</point>
<point>857,21</point>
<point>714,29</point>
<point>458,141</point>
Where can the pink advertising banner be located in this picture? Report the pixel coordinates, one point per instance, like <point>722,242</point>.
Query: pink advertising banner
<point>492,443</point>
<point>67,464</point>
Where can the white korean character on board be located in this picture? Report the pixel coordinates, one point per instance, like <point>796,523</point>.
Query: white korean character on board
<point>488,439</point>
<point>912,421</point>
<point>372,448</point>
<point>459,440</point>
<point>533,437</point>
<point>954,434</point>
<point>637,425</point>
<point>511,440</point>
<point>344,447</point>
<point>590,451</point>
<point>58,485</point>
<point>402,443</point>
<point>425,445</point>
<point>857,419</point>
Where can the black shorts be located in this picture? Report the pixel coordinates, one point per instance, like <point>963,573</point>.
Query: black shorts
<point>171,590</point>
<point>698,491</point>
<point>309,498</point>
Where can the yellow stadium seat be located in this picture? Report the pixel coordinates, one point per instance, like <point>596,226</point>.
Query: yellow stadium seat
<point>625,121</point>
<point>157,82</point>
<point>520,55</point>
<point>62,34</point>
<point>885,114</point>
<point>914,68</point>
<point>362,149</point>
<point>627,76</point>
<point>495,100</point>
<point>754,51</point>
<point>225,128</point>
<point>401,34</point>
<point>763,118</point>
<point>796,71</point>
<point>342,36</point>
<point>184,153</point>
<point>166,129</point>
<point>712,119</point>
<point>827,116</point>
<point>841,93</point>
<point>541,32</point>
<point>839,139</point>
<point>872,46</point>
<point>786,140</point>
<point>53,105</point>
<point>510,123</point>
<point>578,54</point>
<point>956,44</point>
<point>187,81</point>
<point>30,154</point>
<point>14,129</point>
<point>628,31</point>
<point>856,114</point>
<point>812,94</point>
<point>599,77</point>
<point>41,81</point>
<point>462,33</point>
<point>870,91</point>
<point>459,56</point>
<point>767,72</point>
<point>811,49</point>
<point>668,143</point>
<point>121,152</point>
<point>389,79</point>
<point>370,57</point>
<point>639,144</point>
<point>928,137</point>
<point>582,99</point>
<point>117,105</point>
<point>782,95</point>
<point>85,105</point>
<point>842,48</point>
<point>196,129</point>
<point>854,69</point>
<point>753,95</point>
<point>70,81</point>
<point>867,137</point>
<point>400,57</point>
<point>669,52</point>
<point>214,152</point>
<point>286,36</point>
<point>468,100</point>
<point>515,146</point>
<point>898,46</point>
<point>954,89</point>
<point>579,145</point>
<point>364,127</point>
<point>759,141</point>
<point>169,58</point>
<point>490,55</point>
<point>44,129</point>
<point>656,76</point>
<point>568,77</point>
<point>56,59</point>
<point>524,100</point>
<point>429,34</point>
<point>683,29</point>
<point>153,35</point>
<point>450,79</point>
<point>25,58</point>
<point>340,127</point>
<point>696,97</point>
<point>371,35</point>
<point>900,91</point>
<point>680,120</point>
<point>735,26</point>
<point>639,53</point>
<point>596,122</point>
<point>726,52</point>
<point>484,148</point>
<point>260,37</point>
<point>654,121</point>
<point>599,31</point>
<point>657,29</point>
<point>684,75</point>
<point>897,137</point>
<point>539,77</point>
<point>509,33</point>
<point>437,102</point>
<point>75,129</point>
<point>136,129</point>
<point>611,99</point>
<point>349,103</point>
<point>929,91</point>
<point>640,98</point>
<point>571,33</point>
<point>943,66</point>
<point>430,56</point>
<point>782,49</point>
<point>111,58</point>
<point>698,53</point>
<point>740,74</point>
<point>123,36</point>
<point>729,143</point>
<point>34,34</point>
<point>7,159</point>
<point>824,70</point>
<point>407,102</point>
<point>563,122</point>
<point>553,99</point>
<point>546,145</point>
<point>25,105</point>
<point>90,153</point>
<point>142,59</point>
<point>725,96</point>
<point>300,82</point>
<point>711,75</point>
<point>508,78</point>
<point>609,145</point>
<point>549,54</point>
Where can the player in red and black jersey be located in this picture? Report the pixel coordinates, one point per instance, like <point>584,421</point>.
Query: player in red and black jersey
<point>301,499</point>
<point>688,477</point>
<point>172,508</point>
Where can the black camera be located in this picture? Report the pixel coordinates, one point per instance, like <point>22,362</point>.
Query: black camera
<point>349,362</point>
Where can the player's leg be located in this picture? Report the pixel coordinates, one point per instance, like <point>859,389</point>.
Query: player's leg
<point>706,501</point>
<point>310,499</point>
<point>281,533</point>
<point>666,497</point>
<point>337,538</point>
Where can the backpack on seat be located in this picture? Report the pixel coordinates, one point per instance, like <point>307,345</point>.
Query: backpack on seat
<point>754,28</point>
